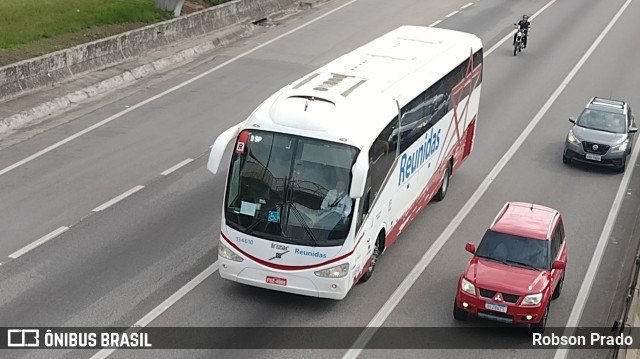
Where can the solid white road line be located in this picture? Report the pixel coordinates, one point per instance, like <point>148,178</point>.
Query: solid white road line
<point>110,203</point>
<point>177,87</point>
<point>176,167</point>
<point>466,6</point>
<point>435,23</point>
<point>451,14</point>
<point>157,311</point>
<point>587,283</point>
<point>38,242</point>
<point>413,276</point>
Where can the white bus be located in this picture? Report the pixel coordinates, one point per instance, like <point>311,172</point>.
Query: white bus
<point>327,172</point>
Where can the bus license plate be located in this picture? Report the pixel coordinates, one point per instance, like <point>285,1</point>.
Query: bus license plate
<point>277,281</point>
<point>594,157</point>
<point>496,307</point>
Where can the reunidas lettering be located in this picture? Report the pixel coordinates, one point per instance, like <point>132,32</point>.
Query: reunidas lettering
<point>410,163</point>
<point>310,253</point>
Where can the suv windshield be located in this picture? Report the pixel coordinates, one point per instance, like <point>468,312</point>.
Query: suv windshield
<point>290,189</point>
<point>514,250</point>
<point>602,121</point>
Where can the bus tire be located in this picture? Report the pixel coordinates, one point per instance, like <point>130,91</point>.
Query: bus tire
<point>374,258</point>
<point>444,185</point>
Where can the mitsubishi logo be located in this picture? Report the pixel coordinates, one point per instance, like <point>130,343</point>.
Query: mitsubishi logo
<point>498,298</point>
<point>595,147</point>
<point>279,255</point>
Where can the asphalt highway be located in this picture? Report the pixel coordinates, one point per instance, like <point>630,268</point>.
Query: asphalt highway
<point>113,266</point>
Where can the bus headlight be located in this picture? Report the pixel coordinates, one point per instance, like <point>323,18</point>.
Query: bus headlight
<point>225,252</point>
<point>467,286</point>
<point>334,272</point>
<point>532,299</point>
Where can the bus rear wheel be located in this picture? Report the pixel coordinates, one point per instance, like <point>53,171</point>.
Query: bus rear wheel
<point>444,185</point>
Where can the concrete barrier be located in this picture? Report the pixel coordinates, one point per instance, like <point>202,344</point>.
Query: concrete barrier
<point>25,76</point>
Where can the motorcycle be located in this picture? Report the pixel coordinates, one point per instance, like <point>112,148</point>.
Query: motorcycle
<point>519,41</point>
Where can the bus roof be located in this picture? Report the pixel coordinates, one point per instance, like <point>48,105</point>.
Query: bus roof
<point>352,98</point>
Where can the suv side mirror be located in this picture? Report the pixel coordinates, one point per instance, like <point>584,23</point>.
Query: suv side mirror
<point>572,119</point>
<point>558,265</point>
<point>469,247</point>
<point>633,129</point>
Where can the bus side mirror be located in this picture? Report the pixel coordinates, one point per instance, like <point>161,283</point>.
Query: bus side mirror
<point>359,175</point>
<point>217,150</point>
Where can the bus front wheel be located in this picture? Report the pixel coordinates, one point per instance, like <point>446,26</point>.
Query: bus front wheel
<point>372,264</point>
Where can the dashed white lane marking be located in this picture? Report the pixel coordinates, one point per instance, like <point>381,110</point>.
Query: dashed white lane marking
<point>157,311</point>
<point>115,200</point>
<point>451,14</point>
<point>466,6</point>
<point>435,23</point>
<point>38,242</point>
<point>176,167</point>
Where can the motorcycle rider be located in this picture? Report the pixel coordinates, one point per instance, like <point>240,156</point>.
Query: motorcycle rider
<point>523,25</point>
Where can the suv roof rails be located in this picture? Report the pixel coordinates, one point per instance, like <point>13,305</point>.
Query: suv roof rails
<point>500,214</point>
<point>607,102</point>
<point>553,220</point>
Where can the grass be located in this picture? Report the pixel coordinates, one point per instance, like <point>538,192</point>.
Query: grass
<point>31,28</point>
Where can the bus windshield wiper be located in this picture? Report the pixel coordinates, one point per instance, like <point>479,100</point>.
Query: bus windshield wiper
<point>254,223</point>
<point>304,224</point>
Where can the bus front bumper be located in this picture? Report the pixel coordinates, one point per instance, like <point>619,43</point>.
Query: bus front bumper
<point>303,282</point>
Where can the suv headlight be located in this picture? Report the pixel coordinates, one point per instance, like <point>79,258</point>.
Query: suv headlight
<point>225,252</point>
<point>622,147</point>
<point>467,286</point>
<point>571,138</point>
<point>334,272</point>
<point>532,299</point>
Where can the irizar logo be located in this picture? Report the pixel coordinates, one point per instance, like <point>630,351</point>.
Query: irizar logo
<point>411,163</point>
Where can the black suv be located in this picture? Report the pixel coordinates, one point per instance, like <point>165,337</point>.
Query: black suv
<point>602,134</point>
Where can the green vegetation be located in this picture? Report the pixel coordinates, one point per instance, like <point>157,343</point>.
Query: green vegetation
<point>25,21</point>
<point>30,28</point>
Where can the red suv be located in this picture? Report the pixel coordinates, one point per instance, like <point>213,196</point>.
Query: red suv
<point>517,269</point>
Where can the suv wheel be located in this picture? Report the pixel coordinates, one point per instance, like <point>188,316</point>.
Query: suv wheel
<point>622,167</point>
<point>459,314</point>
<point>558,290</point>
<point>540,326</point>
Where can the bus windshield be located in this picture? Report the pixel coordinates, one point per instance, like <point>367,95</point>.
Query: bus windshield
<point>290,189</point>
